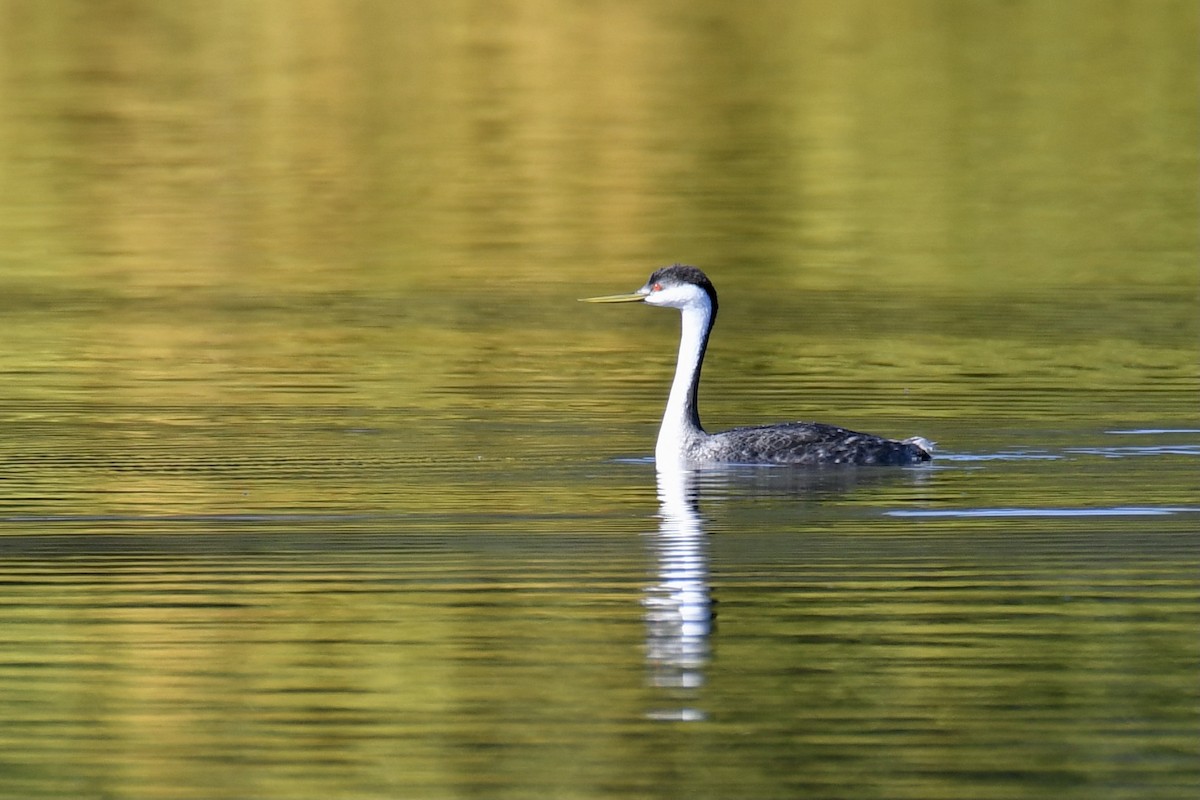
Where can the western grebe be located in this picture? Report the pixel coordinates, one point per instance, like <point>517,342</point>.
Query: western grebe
<point>681,439</point>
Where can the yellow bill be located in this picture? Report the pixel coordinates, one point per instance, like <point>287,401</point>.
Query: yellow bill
<point>615,298</point>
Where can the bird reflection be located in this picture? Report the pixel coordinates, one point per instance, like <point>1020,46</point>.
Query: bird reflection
<point>678,607</point>
<point>678,603</point>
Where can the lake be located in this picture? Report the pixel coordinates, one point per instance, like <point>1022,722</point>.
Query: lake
<point>316,480</point>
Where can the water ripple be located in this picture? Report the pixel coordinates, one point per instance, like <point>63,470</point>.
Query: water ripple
<point>1112,511</point>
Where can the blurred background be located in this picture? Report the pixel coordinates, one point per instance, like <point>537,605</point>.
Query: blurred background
<point>292,147</point>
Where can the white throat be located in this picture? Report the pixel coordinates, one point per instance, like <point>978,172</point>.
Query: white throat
<point>681,420</point>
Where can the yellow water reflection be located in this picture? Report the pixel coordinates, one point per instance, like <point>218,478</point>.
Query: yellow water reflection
<point>308,480</point>
<point>275,145</point>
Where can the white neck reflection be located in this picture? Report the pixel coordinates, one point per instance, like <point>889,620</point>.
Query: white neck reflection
<point>678,607</point>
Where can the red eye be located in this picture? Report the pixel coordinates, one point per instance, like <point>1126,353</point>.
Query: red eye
<point>656,287</point>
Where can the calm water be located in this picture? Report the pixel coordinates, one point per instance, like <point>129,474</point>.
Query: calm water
<point>316,481</point>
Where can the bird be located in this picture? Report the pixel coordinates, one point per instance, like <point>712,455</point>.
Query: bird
<point>683,442</point>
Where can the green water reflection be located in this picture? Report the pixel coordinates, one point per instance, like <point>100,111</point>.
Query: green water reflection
<point>316,481</point>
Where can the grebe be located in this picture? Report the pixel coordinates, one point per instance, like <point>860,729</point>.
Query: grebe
<point>682,442</point>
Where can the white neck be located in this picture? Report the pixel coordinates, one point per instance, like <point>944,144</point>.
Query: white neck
<point>681,420</point>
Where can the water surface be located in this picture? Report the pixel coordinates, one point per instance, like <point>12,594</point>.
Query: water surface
<point>316,481</point>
